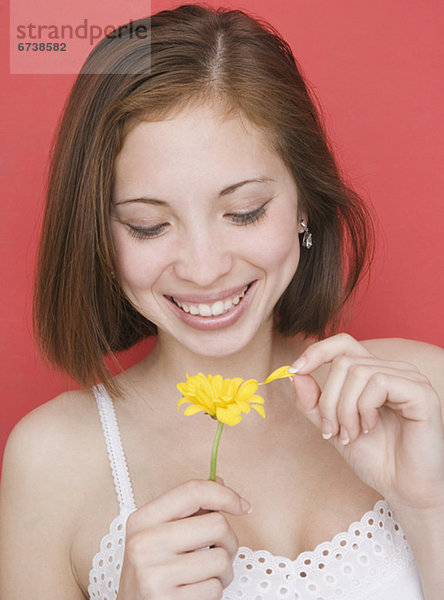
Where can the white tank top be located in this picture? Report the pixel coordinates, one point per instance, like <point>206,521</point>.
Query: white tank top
<point>372,560</point>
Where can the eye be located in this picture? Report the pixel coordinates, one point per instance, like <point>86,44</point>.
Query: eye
<point>249,217</point>
<point>143,233</point>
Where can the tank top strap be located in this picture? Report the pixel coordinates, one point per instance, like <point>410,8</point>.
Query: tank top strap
<point>115,450</point>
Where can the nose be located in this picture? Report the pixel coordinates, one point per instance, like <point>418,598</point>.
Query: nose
<point>203,258</point>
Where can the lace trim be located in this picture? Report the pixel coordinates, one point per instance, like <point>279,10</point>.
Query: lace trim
<point>373,554</point>
<point>371,557</point>
<point>114,447</point>
<point>104,576</point>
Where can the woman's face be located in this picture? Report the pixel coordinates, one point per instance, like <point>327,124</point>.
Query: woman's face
<point>205,224</point>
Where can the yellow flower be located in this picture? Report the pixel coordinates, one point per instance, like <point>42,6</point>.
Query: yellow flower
<point>223,399</point>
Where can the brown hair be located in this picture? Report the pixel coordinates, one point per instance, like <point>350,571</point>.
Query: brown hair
<point>194,54</point>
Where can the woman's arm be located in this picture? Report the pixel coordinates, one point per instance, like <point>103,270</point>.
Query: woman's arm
<point>424,529</point>
<point>37,498</point>
<point>381,405</point>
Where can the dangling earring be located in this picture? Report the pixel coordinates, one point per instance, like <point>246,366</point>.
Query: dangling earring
<point>307,240</point>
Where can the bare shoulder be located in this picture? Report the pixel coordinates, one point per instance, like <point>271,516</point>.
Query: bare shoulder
<point>45,474</point>
<point>47,450</point>
<point>428,358</point>
<point>49,435</point>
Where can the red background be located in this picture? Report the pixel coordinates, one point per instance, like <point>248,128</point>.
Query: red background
<point>377,68</point>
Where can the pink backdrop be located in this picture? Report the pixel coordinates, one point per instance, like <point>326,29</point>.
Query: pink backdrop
<point>377,68</point>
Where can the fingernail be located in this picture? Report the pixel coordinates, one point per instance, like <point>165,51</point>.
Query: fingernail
<point>344,437</point>
<point>364,427</point>
<point>297,365</point>
<point>326,429</point>
<point>246,506</point>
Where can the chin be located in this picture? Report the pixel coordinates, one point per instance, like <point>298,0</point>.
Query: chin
<point>219,344</point>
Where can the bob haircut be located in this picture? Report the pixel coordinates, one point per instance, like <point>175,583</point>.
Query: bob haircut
<point>194,54</point>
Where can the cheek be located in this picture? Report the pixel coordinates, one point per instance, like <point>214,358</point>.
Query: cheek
<point>139,266</point>
<point>276,247</point>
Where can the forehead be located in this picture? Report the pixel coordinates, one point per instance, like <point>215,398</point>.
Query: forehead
<point>199,148</point>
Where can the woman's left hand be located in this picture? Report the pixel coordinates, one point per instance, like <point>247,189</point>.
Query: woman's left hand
<point>402,455</point>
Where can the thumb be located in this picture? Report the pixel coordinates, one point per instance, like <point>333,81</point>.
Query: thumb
<point>308,393</point>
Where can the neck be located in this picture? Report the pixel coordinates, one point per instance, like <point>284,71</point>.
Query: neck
<point>170,361</point>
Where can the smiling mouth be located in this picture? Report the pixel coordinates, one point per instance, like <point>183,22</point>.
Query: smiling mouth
<point>215,309</point>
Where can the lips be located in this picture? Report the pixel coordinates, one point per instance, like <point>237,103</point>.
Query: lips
<point>211,309</point>
<point>197,311</point>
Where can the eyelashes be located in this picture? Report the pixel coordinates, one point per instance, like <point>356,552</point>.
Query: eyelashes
<point>142,233</point>
<point>251,217</point>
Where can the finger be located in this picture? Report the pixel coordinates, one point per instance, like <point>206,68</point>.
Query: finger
<point>185,500</point>
<point>194,567</point>
<point>416,401</point>
<point>186,535</point>
<point>338,403</point>
<point>326,350</point>
<point>307,394</point>
<point>211,588</point>
<point>339,368</point>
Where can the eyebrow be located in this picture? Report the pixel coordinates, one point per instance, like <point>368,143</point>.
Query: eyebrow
<point>225,192</point>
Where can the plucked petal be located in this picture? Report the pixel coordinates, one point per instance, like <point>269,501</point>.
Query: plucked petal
<point>278,374</point>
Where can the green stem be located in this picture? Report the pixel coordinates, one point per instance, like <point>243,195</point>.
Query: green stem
<point>214,451</point>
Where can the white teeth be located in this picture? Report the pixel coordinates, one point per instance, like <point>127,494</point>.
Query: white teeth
<point>218,308</point>
<point>228,304</point>
<point>204,310</point>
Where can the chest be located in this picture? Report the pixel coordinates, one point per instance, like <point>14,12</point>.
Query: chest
<point>301,490</point>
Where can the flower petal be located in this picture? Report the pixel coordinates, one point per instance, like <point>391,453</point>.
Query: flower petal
<point>217,384</point>
<point>183,400</point>
<point>223,399</point>
<point>235,409</point>
<point>193,409</point>
<point>246,390</point>
<point>257,400</point>
<point>225,416</point>
<point>182,387</point>
<point>259,409</point>
<point>243,406</point>
<point>278,374</point>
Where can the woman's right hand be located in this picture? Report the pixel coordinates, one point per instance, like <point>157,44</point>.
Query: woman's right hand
<point>162,538</point>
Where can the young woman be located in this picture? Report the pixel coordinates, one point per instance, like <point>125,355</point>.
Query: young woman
<point>193,197</point>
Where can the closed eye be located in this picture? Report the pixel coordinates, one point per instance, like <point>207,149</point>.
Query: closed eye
<point>250,217</point>
<point>143,233</point>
